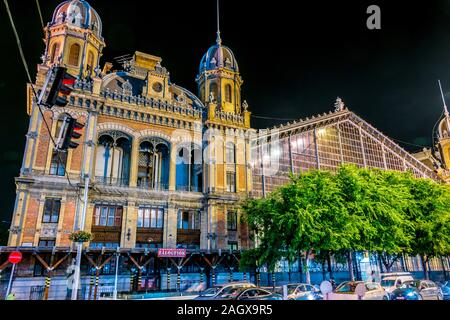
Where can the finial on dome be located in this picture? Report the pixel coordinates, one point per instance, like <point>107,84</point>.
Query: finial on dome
<point>218,40</point>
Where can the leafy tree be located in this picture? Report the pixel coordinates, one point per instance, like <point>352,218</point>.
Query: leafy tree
<point>325,213</point>
<point>430,215</point>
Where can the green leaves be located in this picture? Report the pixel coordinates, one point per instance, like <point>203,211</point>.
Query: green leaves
<point>353,209</point>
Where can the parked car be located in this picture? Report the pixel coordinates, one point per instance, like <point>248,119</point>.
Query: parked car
<point>391,281</point>
<point>303,291</point>
<point>222,289</point>
<point>237,293</point>
<point>445,288</point>
<point>417,290</point>
<point>347,291</point>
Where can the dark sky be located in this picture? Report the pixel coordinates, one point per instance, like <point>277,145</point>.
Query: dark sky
<point>295,58</point>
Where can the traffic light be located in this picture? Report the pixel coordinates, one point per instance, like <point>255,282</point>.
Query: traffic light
<point>71,130</point>
<point>61,88</point>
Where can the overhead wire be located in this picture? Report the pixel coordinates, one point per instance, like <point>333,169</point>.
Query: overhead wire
<point>27,71</point>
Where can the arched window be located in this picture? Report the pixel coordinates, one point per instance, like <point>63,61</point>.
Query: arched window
<point>228,93</point>
<point>213,90</point>
<point>90,63</point>
<point>153,164</point>
<point>74,54</point>
<point>59,159</point>
<point>113,159</point>
<point>189,173</point>
<point>231,154</point>
<point>54,52</point>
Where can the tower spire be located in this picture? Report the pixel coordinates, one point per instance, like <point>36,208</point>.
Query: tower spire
<point>218,40</point>
<point>445,106</point>
<point>443,99</point>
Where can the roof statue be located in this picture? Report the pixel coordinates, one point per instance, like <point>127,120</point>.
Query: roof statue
<point>339,105</point>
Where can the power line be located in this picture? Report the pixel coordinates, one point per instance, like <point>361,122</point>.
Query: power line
<point>25,65</point>
<point>40,14</point>
<point>271,118</point>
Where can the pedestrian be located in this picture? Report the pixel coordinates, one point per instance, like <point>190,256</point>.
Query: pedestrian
<point>11,296</point>
<point>373,276</point>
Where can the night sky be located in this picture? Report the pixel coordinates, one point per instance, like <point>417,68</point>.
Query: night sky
<point>294,59</point>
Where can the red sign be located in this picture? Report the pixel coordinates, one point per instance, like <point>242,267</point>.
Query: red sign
<point>171,253</point>
<point>15,257</point>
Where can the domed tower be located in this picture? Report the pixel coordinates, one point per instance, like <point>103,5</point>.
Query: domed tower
<point>218,79</point>
<point>74,38</point>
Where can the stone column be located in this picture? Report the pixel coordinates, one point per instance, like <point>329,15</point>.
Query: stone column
<point>134,162</point>
<point>173,167</point>
<point>129,223</point>
<point>204,228</point>
<point>59,231</point>
<point>89,216</point>
<point>32,140</point>
<point>170,227</point>
<point>39,220</point>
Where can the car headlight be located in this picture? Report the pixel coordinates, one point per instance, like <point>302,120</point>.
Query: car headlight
<point>411,294</point>
<point>310,297</point>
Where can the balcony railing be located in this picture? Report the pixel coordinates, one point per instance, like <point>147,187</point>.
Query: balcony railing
<point>114,182</point>
<point>188,188</point>
<point>150,185</point>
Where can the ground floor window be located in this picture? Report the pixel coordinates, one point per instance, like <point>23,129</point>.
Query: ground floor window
<point>100,245</point>
<point>232,245</point>
<point>188,220</point>
<point>189,246</point>
<point>232,220</point>
<point>150,218</point>
<point>147,245</point>
<point>47,243</point>
<point>108,216</point>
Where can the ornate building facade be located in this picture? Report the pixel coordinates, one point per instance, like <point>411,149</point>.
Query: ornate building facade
<point>166,168</point>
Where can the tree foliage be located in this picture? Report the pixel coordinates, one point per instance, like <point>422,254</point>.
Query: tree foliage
<point>354,209</point>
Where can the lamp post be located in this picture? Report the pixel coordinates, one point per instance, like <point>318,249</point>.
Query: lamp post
<point>80,244</point>
<point>117,273</point>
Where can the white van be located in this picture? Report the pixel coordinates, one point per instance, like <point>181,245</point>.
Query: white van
<point>391,281</point>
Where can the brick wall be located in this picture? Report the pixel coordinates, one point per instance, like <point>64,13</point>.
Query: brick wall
<point>43,142</point>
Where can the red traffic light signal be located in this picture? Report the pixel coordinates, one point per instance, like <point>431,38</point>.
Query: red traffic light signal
<point>71,131</point>
<point>61,88</point>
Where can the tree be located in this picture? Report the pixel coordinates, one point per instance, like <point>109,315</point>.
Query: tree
<point>355,209</point>
<point>429,213</point>
<point>305,215</point>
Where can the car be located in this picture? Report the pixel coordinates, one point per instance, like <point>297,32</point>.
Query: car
<point>445,288</point>
<point>347,291</point>
<point>303,291</point>
<point>417,290</point>
<point>212,293</point>
<point>248,294</point>
<point>391,281</point>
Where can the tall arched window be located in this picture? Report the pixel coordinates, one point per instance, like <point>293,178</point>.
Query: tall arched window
<point>153,164</point>
<point>231,154</point>
<point>90,63</point>
<point>54,52</point>
<point>213,90</point>
<point>228,93</point>
<point>74,54</point>
<point>113,159</point>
